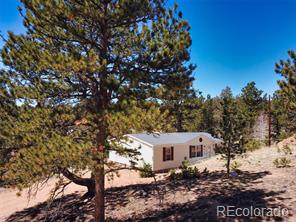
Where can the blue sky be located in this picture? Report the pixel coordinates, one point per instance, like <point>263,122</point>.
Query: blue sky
<point>234,41</point>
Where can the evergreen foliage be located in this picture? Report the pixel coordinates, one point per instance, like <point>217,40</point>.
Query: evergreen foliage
<point>230,129</point>
<point>86,73</point>
<point>285,98</point>
<point>253,98</point>
<point>250,103</point>
<point>183,106</point>
<point>281,115</point>
<point>209,122</point>
<point>146,171</point>
<point>83,75</point>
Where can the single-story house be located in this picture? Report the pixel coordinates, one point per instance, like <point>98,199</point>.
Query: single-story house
<point>168,150</point>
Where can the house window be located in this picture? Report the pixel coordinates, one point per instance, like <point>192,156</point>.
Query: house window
<point>168,153</point>
<point>196,151</point>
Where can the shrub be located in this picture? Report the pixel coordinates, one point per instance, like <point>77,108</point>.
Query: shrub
<point>283,135</point>
<point>287,150</point>
<point>282,162</point>
<point>252,145</point>
<point>185,165</point>
<point>173,175</point>
<point>146,171</point>
<point>235,166</point>
<point>186,172</point>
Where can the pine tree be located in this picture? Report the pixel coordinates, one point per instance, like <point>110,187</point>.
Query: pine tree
<point>183,106</point>
<point>83,75</point>
<point>251,103</point>
<point>209,121</point>
<point>287,69</point>
<point>280,117</point>
<point>230,129</point>
<point>8,111</point>
<point>252,97</point>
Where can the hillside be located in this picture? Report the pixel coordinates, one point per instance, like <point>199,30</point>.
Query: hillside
<point>258,184</point>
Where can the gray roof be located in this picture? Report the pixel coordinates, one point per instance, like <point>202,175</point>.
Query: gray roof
<point>169,138</point>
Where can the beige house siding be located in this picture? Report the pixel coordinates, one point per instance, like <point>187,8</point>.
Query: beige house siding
<point>146,155</point>
<point>154,154</point>
<point>181,152</point>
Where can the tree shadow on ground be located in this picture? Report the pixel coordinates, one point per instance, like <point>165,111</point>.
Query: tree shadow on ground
<point>182,200</point>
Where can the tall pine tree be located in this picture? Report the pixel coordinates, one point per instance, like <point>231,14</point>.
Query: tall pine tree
<point>287,69</point>
<point>230,129</point>
<point>81,77</point>
<point>281,125</point>
<point>183,106</point>
<point>251,104</point>
<point>209,122</point>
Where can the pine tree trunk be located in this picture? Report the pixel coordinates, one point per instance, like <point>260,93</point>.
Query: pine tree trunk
<point>99,175</point>
<point>102,99</point>
<point>228,163</point>
<point>228,167</point>
<point>179,122</point>
<point>100,195</point>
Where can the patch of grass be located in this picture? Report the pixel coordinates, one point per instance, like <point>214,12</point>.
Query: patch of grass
<point>252,145</point>
<point>235,165</point>
<point>286,150</point>
<point>282,162</point>
<point>283,135</point>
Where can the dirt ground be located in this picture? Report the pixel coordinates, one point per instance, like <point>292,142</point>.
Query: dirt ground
<point>130,198</point>
<point>10,202</point>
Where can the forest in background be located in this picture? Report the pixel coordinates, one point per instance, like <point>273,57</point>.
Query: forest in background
<point>191,111</point>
